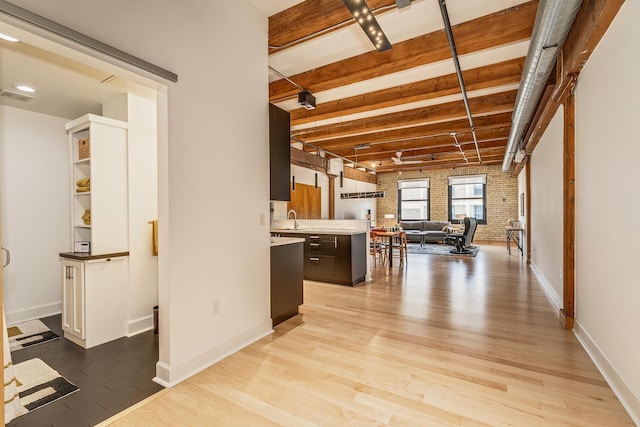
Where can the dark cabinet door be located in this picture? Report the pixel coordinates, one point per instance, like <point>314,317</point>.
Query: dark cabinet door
<point>279,153</point>
<point>319,267</point>
<point>286,281</point>
<point>351,261</point>
<point>342,271</point>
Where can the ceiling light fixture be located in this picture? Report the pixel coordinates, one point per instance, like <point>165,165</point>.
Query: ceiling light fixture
<point>8,38</point>
<point>364,17</point>
<point>25,88</point>
<point>307,100</point>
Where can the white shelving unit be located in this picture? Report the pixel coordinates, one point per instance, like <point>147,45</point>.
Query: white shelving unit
<point>106,167</point>
<point>95,283</point>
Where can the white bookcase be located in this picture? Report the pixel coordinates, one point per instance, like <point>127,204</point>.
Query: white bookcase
<point>105,164</point>
<point>95,282</point>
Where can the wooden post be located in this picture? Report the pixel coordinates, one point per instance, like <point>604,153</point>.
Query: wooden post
<point>332,196</point>
<point>567,314</point>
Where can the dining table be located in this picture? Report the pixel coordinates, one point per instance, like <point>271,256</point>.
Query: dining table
<point>389,235</point>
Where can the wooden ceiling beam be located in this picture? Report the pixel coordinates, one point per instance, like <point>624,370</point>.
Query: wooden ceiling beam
<point>439,142</point>
<point>427,152</point>
<point>311,19</point>
<point>450,164</point>
<point>592,21</point>
<point>492,121</point>
<point>359,175</point>
<point>493,75</point>
<point>504,27</point>
<point>498,102</point>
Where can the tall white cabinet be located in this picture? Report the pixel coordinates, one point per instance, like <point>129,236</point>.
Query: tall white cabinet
<point>95,273</point>
<point>98,147</point>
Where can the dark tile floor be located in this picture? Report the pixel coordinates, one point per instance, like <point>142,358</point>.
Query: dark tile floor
<point>111,377</point>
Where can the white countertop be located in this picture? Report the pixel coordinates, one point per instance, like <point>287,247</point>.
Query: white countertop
<point>317,231</point>
<point>278,241</point>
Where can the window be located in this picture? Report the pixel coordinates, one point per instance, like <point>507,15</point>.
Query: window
<point>468,197</point>
<point>413,199</point>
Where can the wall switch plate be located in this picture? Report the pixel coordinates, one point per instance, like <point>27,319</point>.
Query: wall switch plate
<point>215,307</point>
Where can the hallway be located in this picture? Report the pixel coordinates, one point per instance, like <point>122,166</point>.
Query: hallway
<point>448,341</point>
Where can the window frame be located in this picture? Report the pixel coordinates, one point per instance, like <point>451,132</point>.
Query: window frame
<point>428,199</point>
<point>483,197</point>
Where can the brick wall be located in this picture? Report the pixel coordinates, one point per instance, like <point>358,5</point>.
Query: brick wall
<point>502,197</point>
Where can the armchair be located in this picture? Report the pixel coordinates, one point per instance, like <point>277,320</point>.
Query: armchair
<point>462,241</point>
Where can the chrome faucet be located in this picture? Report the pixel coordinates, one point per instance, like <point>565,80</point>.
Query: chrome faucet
<point>295,218</point>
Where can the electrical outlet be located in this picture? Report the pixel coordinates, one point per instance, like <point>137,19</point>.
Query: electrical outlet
<point>215,307</point>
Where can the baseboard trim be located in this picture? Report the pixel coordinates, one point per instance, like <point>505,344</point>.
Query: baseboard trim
<point>33,313</point>
<point>630,401</point>
<point>139,325</point>
<point>169,376</point>
<point>548,287</point>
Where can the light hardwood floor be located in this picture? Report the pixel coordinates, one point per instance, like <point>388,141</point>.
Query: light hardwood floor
<point>447,341</point>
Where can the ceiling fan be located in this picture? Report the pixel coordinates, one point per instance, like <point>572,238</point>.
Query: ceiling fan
<point>399,161</point>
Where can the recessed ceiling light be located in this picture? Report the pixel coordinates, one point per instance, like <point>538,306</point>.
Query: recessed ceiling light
<point>8,38</point>
<point>25,88</point>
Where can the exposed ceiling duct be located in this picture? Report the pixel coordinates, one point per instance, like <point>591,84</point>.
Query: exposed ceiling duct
<point>553,22</point>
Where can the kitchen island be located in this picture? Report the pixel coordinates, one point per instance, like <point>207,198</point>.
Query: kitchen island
<point>332,255</point>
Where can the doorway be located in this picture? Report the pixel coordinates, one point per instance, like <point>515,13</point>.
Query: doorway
<point>32,220</point>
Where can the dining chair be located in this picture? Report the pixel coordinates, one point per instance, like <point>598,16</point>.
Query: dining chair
<point>377,248</point>
<point>400,246</point>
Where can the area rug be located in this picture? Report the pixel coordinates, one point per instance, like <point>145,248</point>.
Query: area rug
<point>438,249</point>
<point>29,333</point>
<point>39,384</point>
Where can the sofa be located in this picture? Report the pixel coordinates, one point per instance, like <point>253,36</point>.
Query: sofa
<point>425,231</point>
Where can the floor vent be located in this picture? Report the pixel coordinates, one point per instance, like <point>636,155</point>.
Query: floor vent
<point>15,95</point>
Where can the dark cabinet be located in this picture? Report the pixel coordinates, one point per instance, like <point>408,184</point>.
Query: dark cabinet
<point>334,258</point>
<point>279,154</point>
<point>286,281</point>
<point>350,259</point>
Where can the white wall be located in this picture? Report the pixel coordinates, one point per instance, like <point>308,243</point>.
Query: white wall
<point>547,208</point>
<point>140,113</point>
<point>34,184</point>
<point>352,208</point>
<point>209,207</point>
<point>143,207</point>
<point>608,198</point>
